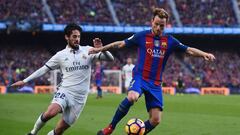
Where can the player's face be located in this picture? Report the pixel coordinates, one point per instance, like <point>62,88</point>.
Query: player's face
<point>98,63</point>
<point>74,39</point>
<point>129,61</point>
<point>158,25</point>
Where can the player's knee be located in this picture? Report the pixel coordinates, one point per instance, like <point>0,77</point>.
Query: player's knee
<point>50,114</point>
<point>52,111</point>
<point>133,96</point>
<point>131,99</point>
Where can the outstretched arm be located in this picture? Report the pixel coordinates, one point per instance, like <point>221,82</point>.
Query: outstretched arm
<point>41,71</point>
<point>106,55</point>
<point>114,45</point>
<point>198,53</point>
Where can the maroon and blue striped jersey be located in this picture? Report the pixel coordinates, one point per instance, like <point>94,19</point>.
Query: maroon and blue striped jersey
<point>153,53</point>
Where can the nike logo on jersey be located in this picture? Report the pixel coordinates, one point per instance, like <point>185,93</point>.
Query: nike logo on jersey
<point>147,43</point>
<point>130,37</point>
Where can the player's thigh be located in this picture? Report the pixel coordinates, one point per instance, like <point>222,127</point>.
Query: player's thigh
<point>134,91</point>
<point>73,111</point>
<point>98,83</point>
<point>53,110</point>
<point>61,98</point>
<point>58,104</point>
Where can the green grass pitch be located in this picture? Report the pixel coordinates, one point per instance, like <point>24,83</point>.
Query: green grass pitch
<point>183,115</point>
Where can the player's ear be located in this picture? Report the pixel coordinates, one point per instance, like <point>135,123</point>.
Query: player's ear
<point>152,20</point>
<point>66,37</point>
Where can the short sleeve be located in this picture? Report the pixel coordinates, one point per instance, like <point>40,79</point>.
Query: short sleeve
<point>93,56</point>
<point>53,63</point>
<point>178,46</point>
<point>133,40</point>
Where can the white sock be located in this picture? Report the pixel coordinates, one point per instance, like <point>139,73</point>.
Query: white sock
<point>51,132</point>
<point>38,125</point>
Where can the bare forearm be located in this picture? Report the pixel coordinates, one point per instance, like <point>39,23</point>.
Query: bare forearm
<point>195,52</point>
<point>114,45</point>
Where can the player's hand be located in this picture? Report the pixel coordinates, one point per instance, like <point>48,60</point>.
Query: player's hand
<point>94,50</point>
<point>97,42</point>
<point>209,57</point>
<point>18,84</point>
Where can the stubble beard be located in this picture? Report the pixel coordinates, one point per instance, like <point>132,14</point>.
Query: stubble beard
<point>74,46</point>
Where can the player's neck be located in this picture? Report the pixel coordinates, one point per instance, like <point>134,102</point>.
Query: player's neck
<point>155,34</point>
<point>73,47</point>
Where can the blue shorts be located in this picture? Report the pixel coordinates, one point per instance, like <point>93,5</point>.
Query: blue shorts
<point>153,93</point>
<point>98,83</point>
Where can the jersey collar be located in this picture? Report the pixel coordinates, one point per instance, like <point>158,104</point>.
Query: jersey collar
<point>72,50</point>
<point>163,33</point>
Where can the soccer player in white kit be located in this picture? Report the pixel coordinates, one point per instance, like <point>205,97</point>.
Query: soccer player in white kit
<point>74,63</point>
<point>127,73</point>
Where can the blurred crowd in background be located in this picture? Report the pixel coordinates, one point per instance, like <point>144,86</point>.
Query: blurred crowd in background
<point>28,15</point>
<point>16,64</point>
<point>181,71</point>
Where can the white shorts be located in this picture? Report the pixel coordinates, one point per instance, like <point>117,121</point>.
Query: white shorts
<point>71,105</point>
<point>127,83</point>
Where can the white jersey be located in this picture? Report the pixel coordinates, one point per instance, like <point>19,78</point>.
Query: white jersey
<point>75,66</point>
<point>127,71</point>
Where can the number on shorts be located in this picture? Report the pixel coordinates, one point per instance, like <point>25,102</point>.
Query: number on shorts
<point>59,95</point>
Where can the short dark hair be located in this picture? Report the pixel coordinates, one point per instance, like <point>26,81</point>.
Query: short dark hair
<point>161,13</point>
<point>70,27</point>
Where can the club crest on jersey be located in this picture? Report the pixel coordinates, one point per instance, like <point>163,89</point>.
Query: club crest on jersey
<point>84,56</point>
<point>164,44</point>
<point>156,43</point>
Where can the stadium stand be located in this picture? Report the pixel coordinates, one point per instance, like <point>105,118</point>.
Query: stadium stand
<point>136,12</point>
<point>18,63</point>
<point>90,12</point>
<point>24,14</point>
<point>206,12</point>
<point>224,72</point>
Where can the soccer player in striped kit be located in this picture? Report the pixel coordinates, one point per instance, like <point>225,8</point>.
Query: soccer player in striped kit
<point>98,78</point>
<point>153,47</point>
<point>74,63</point>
